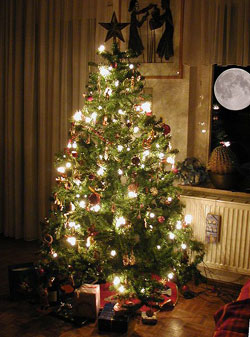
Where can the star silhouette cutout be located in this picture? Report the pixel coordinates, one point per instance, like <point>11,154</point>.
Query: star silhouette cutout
<point>114,28</point>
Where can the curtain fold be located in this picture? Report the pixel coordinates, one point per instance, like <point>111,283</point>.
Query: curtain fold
<point>216,32</point>
<point>45,46</point>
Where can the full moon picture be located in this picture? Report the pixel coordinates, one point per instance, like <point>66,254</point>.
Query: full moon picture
<point>232,89</point>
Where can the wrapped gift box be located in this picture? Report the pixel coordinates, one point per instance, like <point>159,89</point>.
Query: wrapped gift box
<point>108,322</point>
<point>87,301</point>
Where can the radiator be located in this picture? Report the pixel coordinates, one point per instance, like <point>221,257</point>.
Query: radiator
<point>232,252</point>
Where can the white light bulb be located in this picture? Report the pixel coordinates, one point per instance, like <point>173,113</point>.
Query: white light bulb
<point>146,153</point>
<point>68,165</point>
<point>99,107</point>
<point>158,146</point>
<point>178,225</point>
<point>171,236</point>
<point>78,116</point>
<point>146,107</point>
<point>170,199</point>
<point>183,246</point>
<point>120,221</point>
<point>131,66</point>
<point>227,144</point>
<point>136,129</point>
<point>170,160</point>
<point>142,165</point>
<point>55,255</point>
<point>152,215</point>
<point>104,71</point>
<point>72,224</point>
<point>101,48</point>
<point>61,169</point>
<point>82,204</point>
<point>119,148</point>
<point>113,253</point>
<point>69,145</point>
<point>158,247</point>
<point>120,171</point>
<point>93,116</point>
<point>95,208</point>
<point>88,242</point>
<point>77,195</point>
<point>74,145</point>
<point>121,112</point>
<point>108,91</point>
<point>128,149</point>
<point>121,289</point>
<point>170,276</point>
<point>72,240</point>
<point>161,155</point>
<point>116,83</point>
<point>87,120</point>
<point>188,219</point>
<point>73,207</point>
<point>116,281</point>
<point>132,194</point>
<point>77,182</point>
<point>101,170</point>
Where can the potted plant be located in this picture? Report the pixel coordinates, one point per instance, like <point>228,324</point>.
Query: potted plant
<point>222,166</point>
<point>191,172</point>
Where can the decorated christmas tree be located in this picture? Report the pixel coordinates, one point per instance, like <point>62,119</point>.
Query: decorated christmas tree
<point>116,214</point>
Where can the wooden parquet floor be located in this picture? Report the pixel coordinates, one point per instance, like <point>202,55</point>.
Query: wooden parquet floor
<point>190,317</point>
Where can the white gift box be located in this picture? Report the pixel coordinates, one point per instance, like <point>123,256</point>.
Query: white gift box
<point>87,301</point>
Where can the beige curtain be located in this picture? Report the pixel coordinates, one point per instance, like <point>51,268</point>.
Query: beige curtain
<point>45,46</point>
<point>216,32</point>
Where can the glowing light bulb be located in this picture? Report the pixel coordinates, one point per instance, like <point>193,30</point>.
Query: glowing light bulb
<point>104,71</point>
<point>61,169</point>
<point>95,208</point>
<point>128,148</point>
<point>170,199</point>
<point>121,289</point>
<point>117,83</point>
<point>142,290</point>
<point>69,145</point>
<point>88,243</point>
<point>101,171</point>
<point>170,276</point>
<point>78,116</point>
<point>99,107</point>
<point>142,166</point>
<point>227,144</point>
<point>178,225</point>
<point>158,247</point>
<point>74,145</point>
<point>121,112</point>
<point>77,182</point>
<point>93,116</point>
<point>108,91</point>
<point>72,240</point>
<point>136,129</point>
<point>116,281</point>
<point>183,246</point>
<point>120,171</point>
<point>55,254</point>
<point>72,224</point>
<point>68,165</point>
<point>188,219</point>
<point>146,153</point>
<point>82,204</point>
<point>161,155</point>
<point>119,148</point>
<point>87,120</point>
<point>101,48</point>
<point>146,107</point>
<point>77,195</point>
<point>158,146</point>
<point>171,236</point>
<point>132,194</point>
<point>171,160</point>
<point>120,221</point>
<point>152,215</point>
<point>72,206</point>
<point>131,66</point>
<point>113,253</point>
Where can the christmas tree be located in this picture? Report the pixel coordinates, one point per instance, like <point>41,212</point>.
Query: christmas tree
<point>116,213</point>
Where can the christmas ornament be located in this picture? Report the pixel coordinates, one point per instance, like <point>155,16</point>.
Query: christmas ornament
<point>114,28</point>
<point>161,219</point>
<point>136,161</point>
<point>90,98</point>
<point>166,129</point>
<point>94,198</point>
<point>154,191</point>
<point>91,176</point>
<point>48,239</point>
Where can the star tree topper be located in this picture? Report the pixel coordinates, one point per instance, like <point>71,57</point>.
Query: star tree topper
<point>114,28</point>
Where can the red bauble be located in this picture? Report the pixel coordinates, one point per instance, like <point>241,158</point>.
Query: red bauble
<point>74,154</point>
<point>161,219</point>
<point>175,170</point>
<point>41,271</point>
<point>149,113</point>
<point>91,177</point>
<point>114,65</point>
<point>166,129</point>
<point>90,98</point>
<point>94,198</point>
<point>185,288</point>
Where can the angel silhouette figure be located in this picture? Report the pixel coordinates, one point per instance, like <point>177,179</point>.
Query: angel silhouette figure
<point>135,42</point>
<point>165,46</point>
